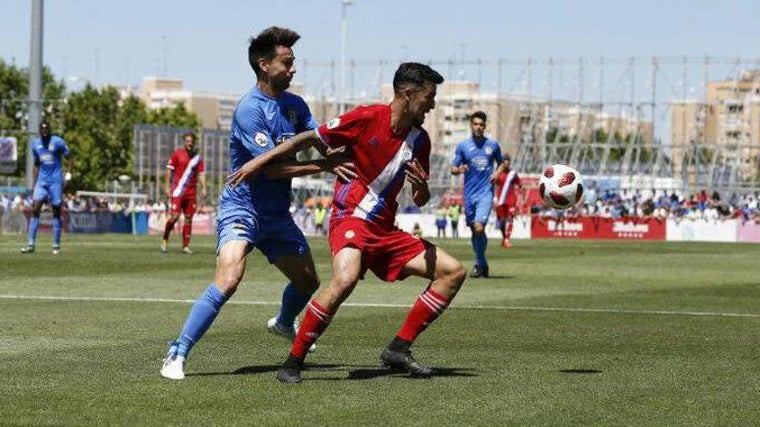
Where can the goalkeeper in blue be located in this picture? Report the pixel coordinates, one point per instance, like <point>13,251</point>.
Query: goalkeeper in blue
<point>255,214</point>
<point>475,157</point>
<point>49,151</point>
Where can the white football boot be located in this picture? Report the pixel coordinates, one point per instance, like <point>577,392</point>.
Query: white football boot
<point>174,365</point>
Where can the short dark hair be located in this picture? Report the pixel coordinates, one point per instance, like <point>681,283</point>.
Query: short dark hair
<point>416,74</point>
<point>190,134</point>
<point>264,44</point>
<point>507,157</point>
<point>479,115</point>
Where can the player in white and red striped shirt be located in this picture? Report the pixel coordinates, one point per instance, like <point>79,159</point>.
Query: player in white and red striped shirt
<point>184,171</point>
<point>388,147</point>
<point>507,185</point>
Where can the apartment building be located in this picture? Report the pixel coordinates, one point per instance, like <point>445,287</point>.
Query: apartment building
<point>214,109</point>
<point>729,120</point>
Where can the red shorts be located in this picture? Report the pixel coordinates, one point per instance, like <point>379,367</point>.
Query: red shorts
<point>385,252</point>
<point>184,204</point>
<point>503,211</point>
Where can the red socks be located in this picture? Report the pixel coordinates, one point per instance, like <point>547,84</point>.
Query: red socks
<point>427,308</point>
<point>315,321</point>
<point>186,228</point>
<point>168,228</point>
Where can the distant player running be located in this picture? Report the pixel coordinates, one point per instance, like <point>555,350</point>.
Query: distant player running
<point>389,147</point>
<point>475,157</point>
<point>183,172</point>
<point>506,198</point>
<point>255,214</point>
<point>48,151</point>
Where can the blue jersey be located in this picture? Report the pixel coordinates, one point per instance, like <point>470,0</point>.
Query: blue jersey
<point>479,158</point>
<point>259,124</point>
<point>48,156</point>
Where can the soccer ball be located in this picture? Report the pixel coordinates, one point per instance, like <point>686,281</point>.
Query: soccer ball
<point>560,186</point>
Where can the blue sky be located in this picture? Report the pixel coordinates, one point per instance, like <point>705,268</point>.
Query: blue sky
<point>122,41</point>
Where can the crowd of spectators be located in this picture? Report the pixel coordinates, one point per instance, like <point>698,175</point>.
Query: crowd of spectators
<point>661,204</point>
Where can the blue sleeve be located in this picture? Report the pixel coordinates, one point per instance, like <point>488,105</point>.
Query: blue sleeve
<point>497,155</point>
<point>64,147</point>
<point>255,134</point>
<point>307,120</point>
<point>458,157</point>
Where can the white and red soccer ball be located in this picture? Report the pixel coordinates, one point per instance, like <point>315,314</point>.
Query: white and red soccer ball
<point>560,186</point>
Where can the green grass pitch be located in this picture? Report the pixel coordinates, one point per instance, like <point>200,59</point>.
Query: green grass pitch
<point>564,333</point>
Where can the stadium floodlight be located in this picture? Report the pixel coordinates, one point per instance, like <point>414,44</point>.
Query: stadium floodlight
<point>344,25</point>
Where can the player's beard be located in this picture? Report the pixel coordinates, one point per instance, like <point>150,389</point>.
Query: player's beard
<point>281,85</point>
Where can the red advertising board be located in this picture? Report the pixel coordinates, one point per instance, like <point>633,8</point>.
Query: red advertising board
<point>598,228</point>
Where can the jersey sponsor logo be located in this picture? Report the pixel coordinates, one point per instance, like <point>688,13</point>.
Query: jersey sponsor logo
<point>349,234</point>
<point>480,163</point>
<point>261,139</point>
<point>333,123</point>
<point>47,158</point>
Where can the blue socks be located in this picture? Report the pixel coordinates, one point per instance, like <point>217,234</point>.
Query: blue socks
<point>34,224</point>
<point>292,303</point>
<point>56,231</point>
<point>479,243</point>
<point>201,316</point>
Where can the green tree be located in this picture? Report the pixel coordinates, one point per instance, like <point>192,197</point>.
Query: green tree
<point>175,116</point>
<point>14,105</point>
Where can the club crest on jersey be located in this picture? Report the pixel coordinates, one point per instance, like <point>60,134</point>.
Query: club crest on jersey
<point>489,150</point>
<point>333,123</point>
<point>406,154</point>
<point>261,139</point>
<point>349,234</point>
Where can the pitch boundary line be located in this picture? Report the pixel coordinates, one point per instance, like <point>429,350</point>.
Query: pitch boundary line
<point>381,305</point>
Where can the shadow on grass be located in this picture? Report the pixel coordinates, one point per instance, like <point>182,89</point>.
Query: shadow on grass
<point>580,371</point>
<point>354,372</point>
<point>371,373</point>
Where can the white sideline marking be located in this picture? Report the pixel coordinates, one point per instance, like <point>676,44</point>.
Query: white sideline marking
<point>460,307</point>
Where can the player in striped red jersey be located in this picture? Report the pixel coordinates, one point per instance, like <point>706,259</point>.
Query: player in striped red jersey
<point>388,147</point>
<point>184,171</point>
<point>506,197</point>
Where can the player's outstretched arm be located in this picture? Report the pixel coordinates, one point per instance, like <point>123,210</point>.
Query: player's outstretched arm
<point>287,149</point>
<point>336,163</point>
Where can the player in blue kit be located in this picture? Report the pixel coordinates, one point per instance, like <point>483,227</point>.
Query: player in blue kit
<point>475,158</point>
<point>49,180</point>
<point>256,212</point>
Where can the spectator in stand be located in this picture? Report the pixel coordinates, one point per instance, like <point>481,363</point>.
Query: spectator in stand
<point>320,214</point>
<point>455,211</point>
<point>440,220</point>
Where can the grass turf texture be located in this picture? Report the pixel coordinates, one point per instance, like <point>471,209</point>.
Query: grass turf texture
<point>564,333</point>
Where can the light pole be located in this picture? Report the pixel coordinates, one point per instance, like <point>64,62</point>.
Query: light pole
<point>344,6</point>
<point>35,87</point>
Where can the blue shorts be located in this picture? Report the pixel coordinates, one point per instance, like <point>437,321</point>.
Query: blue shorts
<point>274,237</point>
<point>477,210</point>
<point>52,192</point>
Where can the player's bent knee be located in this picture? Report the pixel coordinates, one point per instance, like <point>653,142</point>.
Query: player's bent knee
<point>228,284</point>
